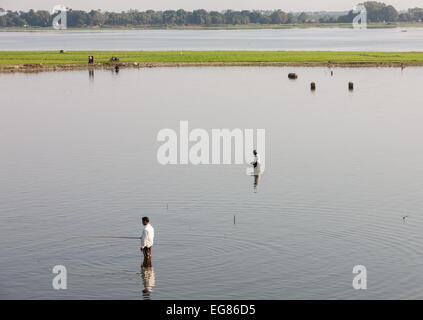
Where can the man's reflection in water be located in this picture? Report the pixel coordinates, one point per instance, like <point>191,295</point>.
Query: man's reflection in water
<point>149,280</point>
<point>256,181</point>
<point>256,174</point>
<point>147,272</point>
<point>91,74</point>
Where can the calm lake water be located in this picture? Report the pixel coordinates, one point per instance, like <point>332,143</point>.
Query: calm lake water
<point>272,39</point>
<point>342,169</point>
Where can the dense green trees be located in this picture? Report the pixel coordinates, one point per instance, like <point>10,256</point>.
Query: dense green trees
<point>376,12</point>
<point>412,15</point>
<point>36,18</point>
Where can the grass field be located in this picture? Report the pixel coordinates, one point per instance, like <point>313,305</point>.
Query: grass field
<point>294,57</point>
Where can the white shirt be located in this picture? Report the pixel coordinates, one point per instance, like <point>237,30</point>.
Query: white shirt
<point>147,238</point>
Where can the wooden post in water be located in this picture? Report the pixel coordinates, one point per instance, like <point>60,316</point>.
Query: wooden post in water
<point>351,86</point>
<point>313,86</point>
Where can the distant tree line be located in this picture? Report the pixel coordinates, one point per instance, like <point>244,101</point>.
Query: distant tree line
<point>376,12</point>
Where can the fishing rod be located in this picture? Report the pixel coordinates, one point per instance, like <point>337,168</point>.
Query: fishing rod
<point>109,237</point>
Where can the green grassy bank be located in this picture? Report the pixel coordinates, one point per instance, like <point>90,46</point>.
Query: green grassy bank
<point>253,57</point>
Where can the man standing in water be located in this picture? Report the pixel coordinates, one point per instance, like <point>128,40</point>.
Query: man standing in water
<point>257,170</point>
<point>147,240</point>
<point>256,161</point>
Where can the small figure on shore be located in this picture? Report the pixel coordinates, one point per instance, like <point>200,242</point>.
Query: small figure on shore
<point>147,240</point>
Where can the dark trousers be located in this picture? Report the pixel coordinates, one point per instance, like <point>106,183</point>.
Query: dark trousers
<point>147,257</point>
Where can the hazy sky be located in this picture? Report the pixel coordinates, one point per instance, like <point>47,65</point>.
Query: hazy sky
<point>118,5</point>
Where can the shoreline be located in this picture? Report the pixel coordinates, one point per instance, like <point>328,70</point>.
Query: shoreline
<point>317,25</point>
<point>36,68</point>
<point>43,61</point>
